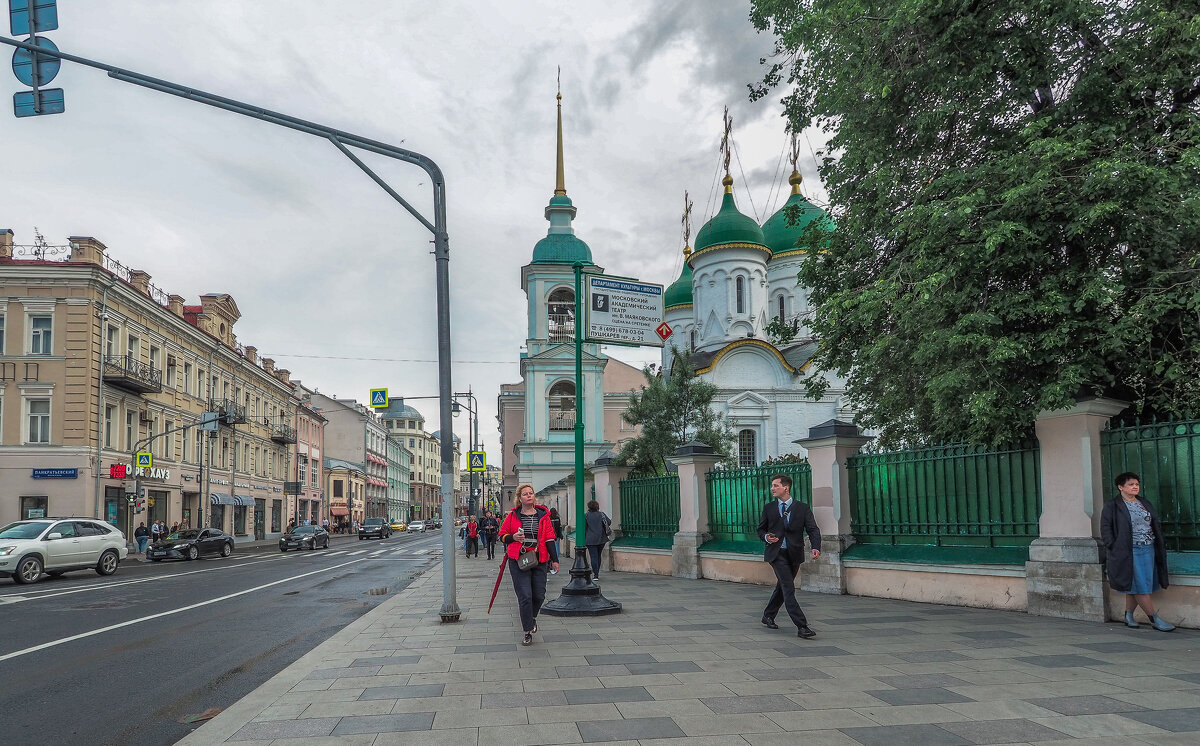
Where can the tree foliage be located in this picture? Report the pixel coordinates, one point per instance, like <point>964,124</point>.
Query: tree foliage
<point>1016,187</point>
<point>672,409</point>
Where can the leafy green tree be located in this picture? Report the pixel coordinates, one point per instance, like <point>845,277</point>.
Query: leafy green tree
<point>1016,188</point>
<point>672,409</point>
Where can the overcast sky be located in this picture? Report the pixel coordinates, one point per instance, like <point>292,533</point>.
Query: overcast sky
<point>335,280</point>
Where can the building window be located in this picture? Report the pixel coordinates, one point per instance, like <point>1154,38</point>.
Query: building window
<point>1,334</point>
<point>187,377</point>
<point>561,312</point>
<point>337,488</point>
<point>110,413</point>
<point>741,294</point>
<point>781,313</point>
<point>41,335</point>
<point>33,506</point>
<point>155,358</point>
<point>746,451</point>
<point>199,456</point>
<point>38,420</point>
<point>112,338</point>
<point>129,429</point>
<point>561,400</point>
<point>134,348</point>
<point>187,444</point>
<point>171,370</point>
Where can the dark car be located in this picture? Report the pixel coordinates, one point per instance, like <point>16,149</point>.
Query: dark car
<point>304,537</point>
<point>376,527</point>
<point>191,543</point>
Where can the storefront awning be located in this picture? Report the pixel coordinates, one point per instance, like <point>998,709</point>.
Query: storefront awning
<point>338,511</point>
<point>244,500</point>
<point>220,498</point>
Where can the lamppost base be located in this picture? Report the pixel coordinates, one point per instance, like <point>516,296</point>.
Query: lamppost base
<point>581,597</point>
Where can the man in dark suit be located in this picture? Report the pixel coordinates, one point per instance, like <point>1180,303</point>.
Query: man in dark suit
<point>783,525</point>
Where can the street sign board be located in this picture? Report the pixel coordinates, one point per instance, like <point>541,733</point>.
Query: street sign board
<point>33,68</point>
<point>45,16</point>
<point>210,420</point>
<point>379,398</point>
<point>664,330</point>
<point>144,460</point>
<point>47,101</point>
<point>623,311</point>
<point>291,488</point>
<point>476,461</point>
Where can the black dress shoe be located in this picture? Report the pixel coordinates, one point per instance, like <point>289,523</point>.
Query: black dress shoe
<point>769,623</point>
<point>805,632</point>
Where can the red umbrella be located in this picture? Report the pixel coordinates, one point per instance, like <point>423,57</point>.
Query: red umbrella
<point>503,562</point>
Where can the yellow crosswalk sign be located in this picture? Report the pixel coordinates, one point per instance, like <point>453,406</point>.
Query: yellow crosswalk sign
<point>477,461</point>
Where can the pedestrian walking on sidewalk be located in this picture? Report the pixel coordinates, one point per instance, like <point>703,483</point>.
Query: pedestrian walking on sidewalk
<point>472,529</point>
<point>155,532</point>
<point>491,529</point>
<point>558,529</point>
<point>596,531</point>
<point>527,529</point>
<point>783,525</point>
<point>1136,552</point>
<point>142,534</point>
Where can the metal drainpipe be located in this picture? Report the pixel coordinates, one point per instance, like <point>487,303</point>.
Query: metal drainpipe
<point>100,397</point>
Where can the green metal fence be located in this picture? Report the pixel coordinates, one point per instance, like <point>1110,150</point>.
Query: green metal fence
<point>947,496</point>
<point>736,498</point>
<point>650,508</point>
<point>1166,458</point>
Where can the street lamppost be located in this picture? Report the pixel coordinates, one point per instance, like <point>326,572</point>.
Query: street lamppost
<point>474,433</point>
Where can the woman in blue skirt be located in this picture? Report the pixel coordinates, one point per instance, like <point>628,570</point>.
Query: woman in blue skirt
<point>1137,556</point>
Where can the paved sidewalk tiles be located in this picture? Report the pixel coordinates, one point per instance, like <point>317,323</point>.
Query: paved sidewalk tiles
<point>688,664</point>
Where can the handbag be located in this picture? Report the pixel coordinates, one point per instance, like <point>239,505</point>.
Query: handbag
<point>528,560</point>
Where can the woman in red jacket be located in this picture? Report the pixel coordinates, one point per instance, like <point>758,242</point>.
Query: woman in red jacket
<point>527,528</point>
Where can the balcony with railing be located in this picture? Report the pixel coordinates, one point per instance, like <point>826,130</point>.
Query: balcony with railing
<point>131,374</point>
<point>562,419</point>
<point>562,327</point>
<point>283,433</point>
<point>231,412</point>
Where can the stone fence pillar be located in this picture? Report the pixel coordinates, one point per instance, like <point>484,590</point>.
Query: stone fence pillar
<point>608,478</point>
<point>694,460</point>
<point>829,445</point>
<point>1064,576</point>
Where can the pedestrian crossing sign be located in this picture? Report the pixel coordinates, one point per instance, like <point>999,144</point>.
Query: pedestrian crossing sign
<point>379,398</point>
<point>144,460</point>
<point>477,461</point>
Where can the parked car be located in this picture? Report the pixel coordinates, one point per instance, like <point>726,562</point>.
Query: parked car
<point>376,527</point>
<point>57,545</point>
<point>190,544</point>
<point>397,526</point>
<point>304,537</point>
<point>416,527</point>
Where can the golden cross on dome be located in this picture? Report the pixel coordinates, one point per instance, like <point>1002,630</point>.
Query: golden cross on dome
<point>725,139</point>
<point>687,224</point>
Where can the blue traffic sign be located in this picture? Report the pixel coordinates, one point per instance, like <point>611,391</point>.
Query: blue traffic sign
<point>379,398</point>
<point>25,104</point>
<point>45,16</point>
<point>36,69</point>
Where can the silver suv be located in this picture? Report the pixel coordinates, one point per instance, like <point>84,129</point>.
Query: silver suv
<point>57,545</point>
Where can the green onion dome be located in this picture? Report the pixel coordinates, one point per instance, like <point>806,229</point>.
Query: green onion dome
<point>728,226</point>
<point>782,238</point>
<point>680,292</point>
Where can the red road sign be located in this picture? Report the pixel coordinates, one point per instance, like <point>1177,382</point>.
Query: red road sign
<point>664,330</point>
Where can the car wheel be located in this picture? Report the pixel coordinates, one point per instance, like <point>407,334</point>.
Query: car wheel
<point>283,549</point>
<point>193,552</point>
<point>108,563</point>
<point>226,549</point>
<point>28,570</point>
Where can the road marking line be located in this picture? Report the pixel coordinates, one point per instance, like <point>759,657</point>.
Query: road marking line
<point>360,551</point>
<point>131,622</point>
<point>334,554</point>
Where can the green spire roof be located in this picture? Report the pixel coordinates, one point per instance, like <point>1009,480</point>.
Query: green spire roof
<point>680,292</point>
<point>780,237</point>
<point>561,248</point>
<point>728,225</point>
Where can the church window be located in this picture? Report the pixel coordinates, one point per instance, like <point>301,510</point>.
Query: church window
<point>562,405</point>
<point>782,316</point>
<point>741,295</point>
<point>561,310</point>
<point>746,452</point>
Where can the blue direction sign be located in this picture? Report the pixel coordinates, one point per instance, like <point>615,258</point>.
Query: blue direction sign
<point>26,104</point>
<point>379,398</point>
<point>36,69</point>
<point>477,461</point>
<point>45,16</point>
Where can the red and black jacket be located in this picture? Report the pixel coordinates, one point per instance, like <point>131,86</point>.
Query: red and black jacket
<point>546,547</point>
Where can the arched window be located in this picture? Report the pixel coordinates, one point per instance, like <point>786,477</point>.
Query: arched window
<point>561,310</point>
<point>747,458</point>
<point>782,316</point>
<point>562,405</point>
<point>741,295</point>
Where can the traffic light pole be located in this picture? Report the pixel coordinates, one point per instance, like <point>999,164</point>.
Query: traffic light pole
<point>343,140</point>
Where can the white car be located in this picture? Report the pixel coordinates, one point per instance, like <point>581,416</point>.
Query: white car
<point>57,545</point>
<point>418,526</point>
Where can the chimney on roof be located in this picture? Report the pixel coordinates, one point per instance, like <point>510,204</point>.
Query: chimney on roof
<point>268,365</point>
<point>140,281</point>
<point>283,374</point>
<point>175,303</point>
<point>251,353</point>
<point>6,243</point>
<point>88,250</point>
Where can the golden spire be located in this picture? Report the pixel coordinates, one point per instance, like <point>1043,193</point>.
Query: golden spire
<point>795,178</point>
<point>687,225</point>
<point>560,185</point>
<point>725,148</point>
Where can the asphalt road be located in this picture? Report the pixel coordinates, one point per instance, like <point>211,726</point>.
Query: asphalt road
<point>86,659</point>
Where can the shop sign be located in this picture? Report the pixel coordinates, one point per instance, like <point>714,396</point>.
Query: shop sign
<point>56,473</point>
<point>152,473</point>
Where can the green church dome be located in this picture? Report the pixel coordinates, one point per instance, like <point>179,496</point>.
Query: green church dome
<point>780,237</point>
<point>728,225</point>
<point>680,292</point>
<point>561,248</point>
